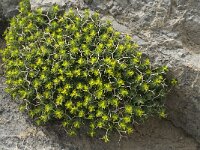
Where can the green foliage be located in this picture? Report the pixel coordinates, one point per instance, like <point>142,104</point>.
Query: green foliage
<point>75,69</point>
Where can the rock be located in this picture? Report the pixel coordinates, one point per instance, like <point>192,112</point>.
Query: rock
<point>8,8</point>
<point>192,27</point>
<point>88,1</point>
<point>1,12</point>
<point>47,3</point>
<point>139,41</point>
<point>123,3</point>
<point>117,26</point>
<point>115,10</point>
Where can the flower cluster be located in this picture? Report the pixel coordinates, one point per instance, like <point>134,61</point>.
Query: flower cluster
<point>73,68</point>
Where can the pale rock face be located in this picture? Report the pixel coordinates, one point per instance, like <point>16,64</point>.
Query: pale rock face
<point>46,3</point>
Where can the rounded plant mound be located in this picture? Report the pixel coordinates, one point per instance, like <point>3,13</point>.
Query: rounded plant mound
<point>74,69</point>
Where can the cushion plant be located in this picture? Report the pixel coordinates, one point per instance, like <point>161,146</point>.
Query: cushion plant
<point>73,68</point>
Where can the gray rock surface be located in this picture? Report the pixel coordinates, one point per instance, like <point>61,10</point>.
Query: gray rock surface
<point>46,3</point>
<point>8,8</point>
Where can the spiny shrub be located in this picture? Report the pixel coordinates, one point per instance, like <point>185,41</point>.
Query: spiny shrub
<point>73,68</point>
